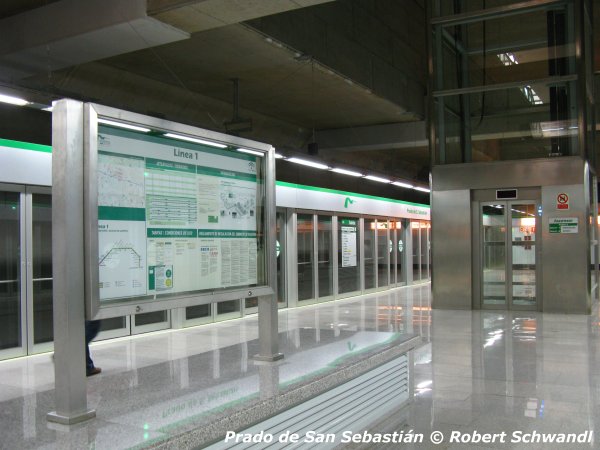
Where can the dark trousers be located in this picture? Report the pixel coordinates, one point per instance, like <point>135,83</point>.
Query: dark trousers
<point>92,327</point>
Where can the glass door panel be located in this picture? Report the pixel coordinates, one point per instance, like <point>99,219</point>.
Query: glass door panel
<point>415,228</point>
<point>384,247</point>
<point>370,243</point>
<point>523,254</point>
<point>11,323</point>
<point>41,257</point>
<point>424,251</point>
<point>399,251</point>
<point>281,258</point>
<point>494,254</point>
<point>305,232</point>
<point>325,256</point>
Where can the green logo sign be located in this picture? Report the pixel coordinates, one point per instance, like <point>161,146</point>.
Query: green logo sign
<point>277,248</point>
<point>348,201</point>
<point>400,246</point>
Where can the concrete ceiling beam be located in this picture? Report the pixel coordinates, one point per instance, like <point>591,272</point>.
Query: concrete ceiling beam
<point>200,15</point>
<point>72,32</point>
<point>376,137</point>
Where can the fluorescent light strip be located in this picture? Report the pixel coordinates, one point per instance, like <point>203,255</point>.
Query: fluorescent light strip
<point>305,162</point>
<point>422,189</point>
<point>250,152</point>
<point>13,100</point>
<point>347,172</point>
<point>379,179</point>
<point>278,156</point>
<point>404,185</point>
<point>194,140</point>
<point>112,123</point>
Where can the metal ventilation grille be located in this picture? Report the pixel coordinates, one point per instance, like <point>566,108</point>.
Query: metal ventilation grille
<point>351,406</point>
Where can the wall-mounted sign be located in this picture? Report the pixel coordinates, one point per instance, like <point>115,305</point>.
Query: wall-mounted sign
<point>562,201</point>
<point>349,229</point>
<point>564,225</point>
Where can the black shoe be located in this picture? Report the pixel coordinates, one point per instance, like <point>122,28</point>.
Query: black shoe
<point>94,371</point>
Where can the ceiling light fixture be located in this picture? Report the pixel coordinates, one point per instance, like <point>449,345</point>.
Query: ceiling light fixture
<point>278,156</point>
<point>194,140</point>
<point>127,126</point>
<point>404,185</point>
<point>422,189</point>
<point>250,152</point>
<point>13,100</point>
<point>305,162</point>
<point>347,172</point>
<point>378,179</point>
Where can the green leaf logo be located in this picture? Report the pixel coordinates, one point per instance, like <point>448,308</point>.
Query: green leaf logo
<point>351,346</point>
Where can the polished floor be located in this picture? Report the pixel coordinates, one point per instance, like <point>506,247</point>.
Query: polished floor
<point>476,371</point>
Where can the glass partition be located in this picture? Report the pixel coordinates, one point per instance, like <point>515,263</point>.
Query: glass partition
<point>370,248</point>
<point>348,255</point>
<point>197,312</point>
<point>500,50</point>
<point>305,231</point>
<point>398,263</point>
<point>229,310</point>
<point>424,250</point>
<point>10,259</point>
<point>520,122</point>
<point>384,248</point>
<point>494,254</point>
<point>280,249</point>
<point>325,256</point>
<point>415,228</point>
<point>509,81</point>
<point>41,222</point>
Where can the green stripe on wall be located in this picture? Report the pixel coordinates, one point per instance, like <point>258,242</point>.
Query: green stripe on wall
<point>25,146</point>
<point>349,194</point>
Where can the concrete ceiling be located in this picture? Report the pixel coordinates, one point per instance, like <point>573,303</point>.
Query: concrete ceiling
<point>274,80</point>
<point>287,94</point>
<point>289,88</point>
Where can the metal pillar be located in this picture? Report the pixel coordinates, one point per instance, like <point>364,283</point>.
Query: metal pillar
<point>268,328</point>
<point>68,264</point>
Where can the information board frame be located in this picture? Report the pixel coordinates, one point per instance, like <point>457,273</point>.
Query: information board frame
<point>95,308</point>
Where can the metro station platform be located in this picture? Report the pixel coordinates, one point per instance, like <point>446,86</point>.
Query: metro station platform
<point>484,371</point>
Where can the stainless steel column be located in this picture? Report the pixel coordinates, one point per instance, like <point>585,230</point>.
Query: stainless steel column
<point>268,323</point>
<point>67,264</point>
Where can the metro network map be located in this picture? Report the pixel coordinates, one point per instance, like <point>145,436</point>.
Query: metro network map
<point>173,217</point>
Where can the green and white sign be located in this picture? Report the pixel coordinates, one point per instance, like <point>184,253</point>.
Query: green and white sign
<point>349,229</point>
<point>564,225</point>
<point>173,217</point>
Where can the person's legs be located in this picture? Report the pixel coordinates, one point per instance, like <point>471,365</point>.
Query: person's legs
<point>92,327</point>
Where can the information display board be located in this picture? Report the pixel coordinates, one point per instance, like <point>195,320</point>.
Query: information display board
<point>178,215</point>
<point>349,229</point>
